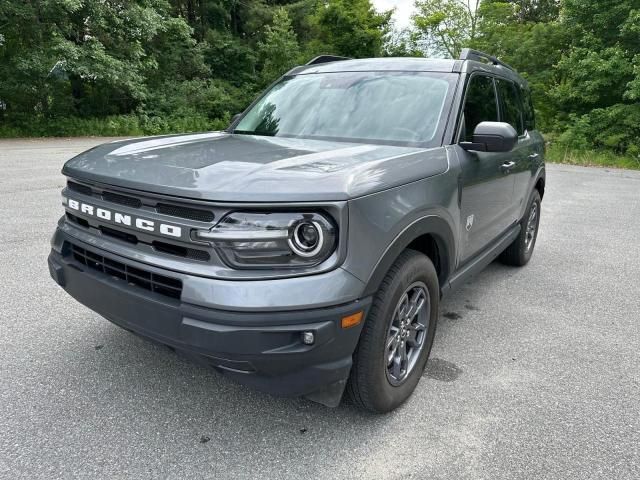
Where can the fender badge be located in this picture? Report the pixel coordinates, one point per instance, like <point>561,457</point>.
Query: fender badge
<point>470,220</point>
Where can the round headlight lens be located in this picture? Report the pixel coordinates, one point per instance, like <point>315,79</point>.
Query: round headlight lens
<point>256,240</point>
<point>307,239</point>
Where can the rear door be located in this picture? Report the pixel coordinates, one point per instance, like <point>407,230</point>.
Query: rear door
<point>524,155</point>
<point>532,148</point>
<point>486,187</point>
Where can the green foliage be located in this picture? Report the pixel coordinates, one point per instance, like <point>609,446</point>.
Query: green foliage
<point>111,126</point>
<point>526,11</point>
<point>446,26</point>
<point>616,128</point>
<point>280,49</point>
<point>210,99</point>
<point>400,43</point>
<point>531,48</point>
<point>84,58</point>
<point>592,78</point>
<point>581,58</point>
<point>559,153</point>
<point>154,66</point>
<point>133,67</point>
<point>596,92</point>
<point>350,28</point>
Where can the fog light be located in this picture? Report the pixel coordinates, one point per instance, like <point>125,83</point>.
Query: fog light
<point>308,338</point>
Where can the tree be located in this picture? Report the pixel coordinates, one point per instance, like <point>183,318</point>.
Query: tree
<point>598,76</point>
<point>536,11</point>
<point>532,48</point>
<point>58,55</point>
<point>350,28</point>
<point>279,50</point>
<point>446,26</point>
<point>400,43</point>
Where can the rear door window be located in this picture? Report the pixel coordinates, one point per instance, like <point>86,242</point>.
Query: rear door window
<point>527,109</point>
<point>510,105</point>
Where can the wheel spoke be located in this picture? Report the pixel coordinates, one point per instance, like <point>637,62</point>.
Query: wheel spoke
<point>417,302</point>
<point>392,340</point>
<point>403,354</point>
<point>532,226</point>
<point>418,327</point>
<point>414,330</point>
<point>396,369</point>
<point>394,331</point>
<point>392,355</point>
<point>403,306</point>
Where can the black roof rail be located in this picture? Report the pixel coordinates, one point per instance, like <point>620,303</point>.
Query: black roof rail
<point>326,59</point>
<point>478,56</point>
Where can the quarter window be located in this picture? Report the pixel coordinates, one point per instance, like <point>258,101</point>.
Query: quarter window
<point>480,105</point>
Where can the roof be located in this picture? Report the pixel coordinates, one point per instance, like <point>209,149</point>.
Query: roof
<point>408,64</point>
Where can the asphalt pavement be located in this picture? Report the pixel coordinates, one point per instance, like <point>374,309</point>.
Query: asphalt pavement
<point>534,372</point>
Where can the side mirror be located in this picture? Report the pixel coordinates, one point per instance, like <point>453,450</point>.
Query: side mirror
<point>492,137</point>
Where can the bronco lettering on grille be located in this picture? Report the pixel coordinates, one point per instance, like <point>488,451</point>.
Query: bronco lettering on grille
<point>123,219</point>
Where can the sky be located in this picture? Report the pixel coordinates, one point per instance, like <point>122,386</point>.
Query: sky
<point>404,10</point>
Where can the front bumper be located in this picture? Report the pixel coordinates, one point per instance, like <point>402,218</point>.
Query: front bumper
<point>263,349</point>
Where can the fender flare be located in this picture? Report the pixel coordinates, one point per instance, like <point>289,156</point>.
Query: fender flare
<point>433,225</point>
<point>540,175</point>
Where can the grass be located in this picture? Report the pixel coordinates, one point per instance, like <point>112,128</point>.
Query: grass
<point>591,158</point>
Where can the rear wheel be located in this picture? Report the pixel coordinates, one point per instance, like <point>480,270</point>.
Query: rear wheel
<point>397,336</point>
<point>520,251</point>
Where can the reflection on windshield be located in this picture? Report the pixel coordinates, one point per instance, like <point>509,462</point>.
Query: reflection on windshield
<point>395,107</point>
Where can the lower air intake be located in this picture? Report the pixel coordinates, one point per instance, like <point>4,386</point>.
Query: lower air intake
<point>134,277</point>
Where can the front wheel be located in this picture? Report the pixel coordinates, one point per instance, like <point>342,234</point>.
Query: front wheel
<point>397,336</point>
<point>520,251</point>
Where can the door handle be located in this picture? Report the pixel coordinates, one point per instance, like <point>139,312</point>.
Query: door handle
<point>506,167</point>
<point>534,156</point>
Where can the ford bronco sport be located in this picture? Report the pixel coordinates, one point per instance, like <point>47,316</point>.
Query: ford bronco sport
<point>304,250</point>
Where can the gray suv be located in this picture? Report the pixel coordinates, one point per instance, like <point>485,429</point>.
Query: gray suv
<point>304,250</point>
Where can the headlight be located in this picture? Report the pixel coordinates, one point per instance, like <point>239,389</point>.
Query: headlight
<point>272,240</point>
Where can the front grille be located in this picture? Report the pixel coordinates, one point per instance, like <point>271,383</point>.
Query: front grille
<point>185,212</point>
<point>83,189</point>
<point>188,213</point>
<point>80,221</point>
<point>179,251</point>
<point>122,199</point>
<point>135,277</point>
<point>124,236</point>
<point>163,247</point>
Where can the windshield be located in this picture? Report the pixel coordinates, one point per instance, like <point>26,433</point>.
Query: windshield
<point>405,108</point>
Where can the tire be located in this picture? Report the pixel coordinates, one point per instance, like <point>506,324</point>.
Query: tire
<point>520,251</point>
<point>375,384</point>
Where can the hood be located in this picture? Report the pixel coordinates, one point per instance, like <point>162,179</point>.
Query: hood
<point>241,168</point>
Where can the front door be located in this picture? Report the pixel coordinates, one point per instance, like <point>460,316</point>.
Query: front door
<point>486,203</point>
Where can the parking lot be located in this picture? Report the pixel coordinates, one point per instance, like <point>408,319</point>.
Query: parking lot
<point>534,372</point>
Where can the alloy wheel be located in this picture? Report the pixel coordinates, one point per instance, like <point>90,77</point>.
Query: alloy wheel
<point>532,227</point>
<point>407,333</point>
